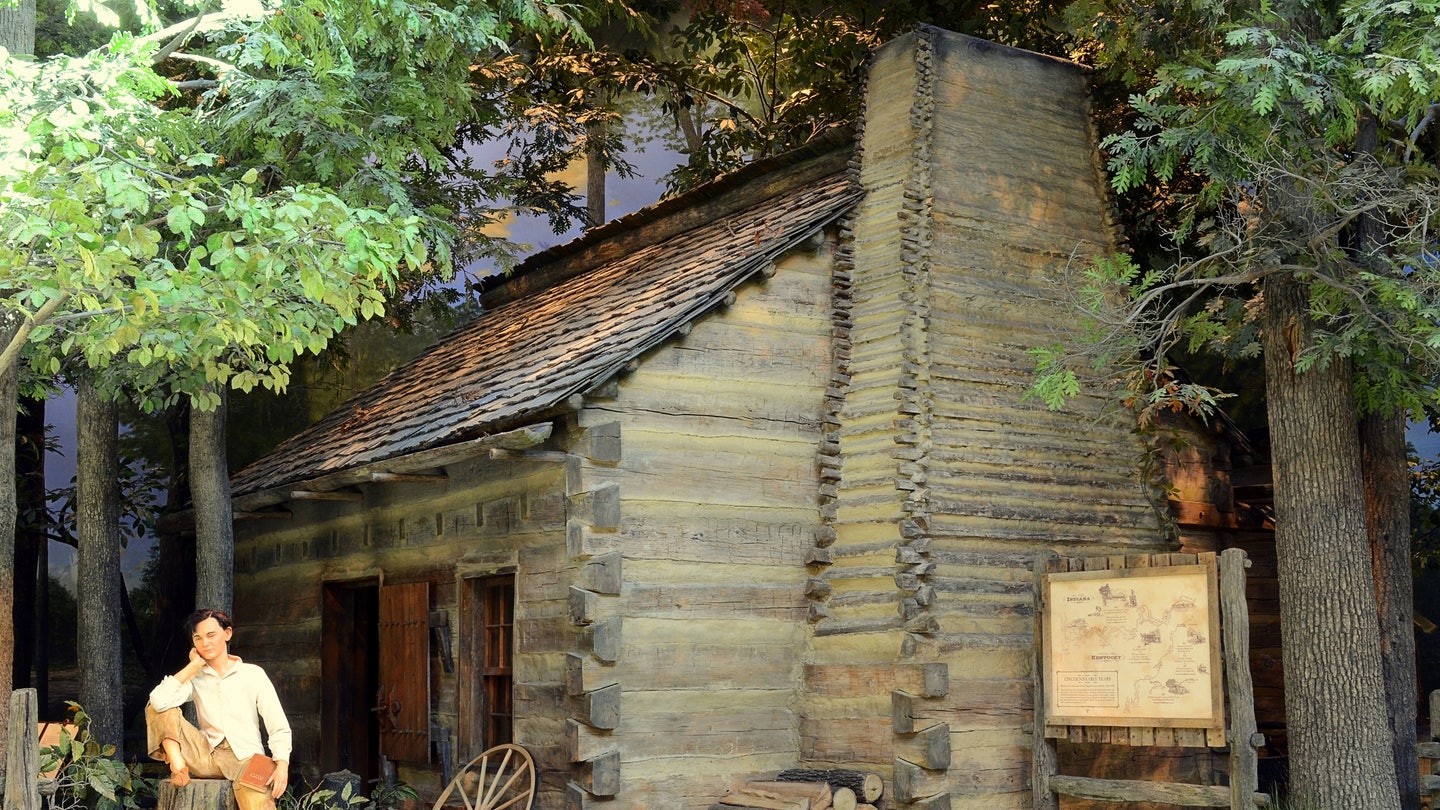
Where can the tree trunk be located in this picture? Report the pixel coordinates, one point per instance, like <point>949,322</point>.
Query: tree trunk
<point>1334,689</point>
<point>17,35</point>
<point>595,175</point>
<point>1387,522</point>
<point>17,27</point>
<point>175,574</point>
<point>1386,473</point>
<point>97,534</point>
<point>214,517</point>
<point>9,401</point>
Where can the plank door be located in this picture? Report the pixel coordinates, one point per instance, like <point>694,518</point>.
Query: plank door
<point>403,697</point>
<point>350,675</point>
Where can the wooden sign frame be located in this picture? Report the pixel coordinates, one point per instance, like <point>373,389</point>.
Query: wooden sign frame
<point>1242,739</point>
<point>1069,597</point>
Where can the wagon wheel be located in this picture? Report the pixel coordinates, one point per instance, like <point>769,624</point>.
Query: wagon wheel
<point>502,778</point>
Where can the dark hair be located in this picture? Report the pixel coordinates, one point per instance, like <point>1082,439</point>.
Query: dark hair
<point>201,615</point>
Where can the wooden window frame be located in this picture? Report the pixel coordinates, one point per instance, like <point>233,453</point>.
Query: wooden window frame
<point>487,668</point>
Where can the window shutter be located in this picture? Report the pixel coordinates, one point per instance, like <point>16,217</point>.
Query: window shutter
<point>404,695</point>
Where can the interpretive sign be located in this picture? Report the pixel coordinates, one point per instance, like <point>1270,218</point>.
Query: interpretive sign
<point>1133,647</point>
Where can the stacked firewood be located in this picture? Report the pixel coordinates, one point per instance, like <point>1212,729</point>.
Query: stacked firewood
<point>808,789</point>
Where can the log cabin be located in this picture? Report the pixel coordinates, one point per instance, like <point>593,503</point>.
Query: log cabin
<point>744,481</point>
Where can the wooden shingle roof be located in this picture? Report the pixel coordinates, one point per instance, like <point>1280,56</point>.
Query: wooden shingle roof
<point>529,354</point>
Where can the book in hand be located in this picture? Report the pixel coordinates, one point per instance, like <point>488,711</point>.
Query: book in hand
<point>255,773</point>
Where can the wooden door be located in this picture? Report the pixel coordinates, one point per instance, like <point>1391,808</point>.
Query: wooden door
<point>349,669</point>
<point>403,697</point>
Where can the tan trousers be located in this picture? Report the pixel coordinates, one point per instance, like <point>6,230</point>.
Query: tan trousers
<point>201,760</point>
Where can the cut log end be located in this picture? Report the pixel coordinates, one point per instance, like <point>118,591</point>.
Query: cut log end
<point>866,786</point>
<point>200,794</point>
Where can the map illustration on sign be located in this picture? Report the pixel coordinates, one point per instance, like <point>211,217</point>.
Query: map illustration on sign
<point>1133,647</point>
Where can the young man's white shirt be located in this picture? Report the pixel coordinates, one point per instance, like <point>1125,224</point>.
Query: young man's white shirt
<point>230,707</point>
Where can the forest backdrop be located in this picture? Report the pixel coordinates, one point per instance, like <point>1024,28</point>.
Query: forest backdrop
<point>1273,166</point>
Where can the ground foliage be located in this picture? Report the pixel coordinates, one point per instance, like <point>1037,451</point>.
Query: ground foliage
<point>87,772</point>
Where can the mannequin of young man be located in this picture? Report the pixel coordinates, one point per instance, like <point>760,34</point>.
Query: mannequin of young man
<point>231,699</point>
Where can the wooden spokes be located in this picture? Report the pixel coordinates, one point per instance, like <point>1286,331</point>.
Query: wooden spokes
<point>502,778</point>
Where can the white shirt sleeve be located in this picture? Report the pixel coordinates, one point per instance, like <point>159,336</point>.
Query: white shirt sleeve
<point>170,693</point>
<point>277,728</point>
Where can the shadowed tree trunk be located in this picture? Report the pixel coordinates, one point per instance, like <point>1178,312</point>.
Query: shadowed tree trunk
<point>9,398</point>
<point>175,572</point>
<point>1386,477</point>
<point>595,176</point>
<point>1387,522</point>
<point>1334,689</point>
<point>214,517</point>
<point>97,535</point>
<point>17,35</point>
<point>30,538</point>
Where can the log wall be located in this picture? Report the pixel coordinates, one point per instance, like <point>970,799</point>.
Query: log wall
<point>488,516</point>
<point>715,479</point>
<point>949,480</point>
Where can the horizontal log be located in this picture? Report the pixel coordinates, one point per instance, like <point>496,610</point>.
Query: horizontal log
<point>1128,790</point>
<point>584,743</point>
<point>761,664</point>
<point>729,470</point>
<point>601,776</point>
<point>584,674</point>
<point>852,740</point>
<point>602,573</point>
<point>604,637</point>
<point>818,793</point>
<point>865,785</point>
<point>928,747</point>
<point>598,443</point>
<point>602,707</point>
<point>764,800</point>
<point>865,680</point>
<point>972,705</point>
<point>913,782</point>
<point>716,600</point>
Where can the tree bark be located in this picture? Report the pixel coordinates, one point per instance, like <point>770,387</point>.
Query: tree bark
<point>175,574</point>
<point>17,35</point>
<point>1386,475</point>
<point>17,27</point>
<point>97,534</point>
<point>1334,688</point>
<point>9,514</point>
<point>595,176</point>
<point>214,516</point>
<point>1387,523</point>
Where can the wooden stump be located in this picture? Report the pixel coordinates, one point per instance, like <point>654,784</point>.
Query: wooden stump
<point>23,756</point>
<point>200,794</point>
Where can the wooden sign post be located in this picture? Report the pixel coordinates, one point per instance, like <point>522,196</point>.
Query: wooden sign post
<point>1128,652</point>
